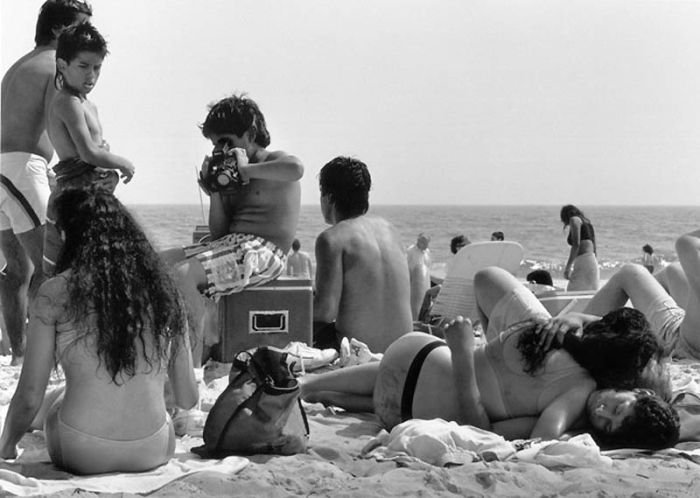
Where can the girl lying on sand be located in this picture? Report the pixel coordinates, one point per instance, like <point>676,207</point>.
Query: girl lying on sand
<point>113,319</point>
<point>512,385</point>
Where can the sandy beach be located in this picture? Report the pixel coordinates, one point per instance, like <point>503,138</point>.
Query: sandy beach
<point>335,465</point>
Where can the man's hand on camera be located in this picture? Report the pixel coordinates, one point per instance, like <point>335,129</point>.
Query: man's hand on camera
<point>242,163</point>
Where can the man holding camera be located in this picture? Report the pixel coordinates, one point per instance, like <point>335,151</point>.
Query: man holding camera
<point>255,198</point>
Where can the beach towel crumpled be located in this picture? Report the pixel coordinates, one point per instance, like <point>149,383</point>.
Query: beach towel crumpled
<point>579,451</point>
<point>438,442</point>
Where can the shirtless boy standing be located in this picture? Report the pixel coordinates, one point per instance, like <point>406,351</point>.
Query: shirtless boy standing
<point>74,127</point>
<point>27,90</point>
<point>362,282</point>
<point>252,221</point>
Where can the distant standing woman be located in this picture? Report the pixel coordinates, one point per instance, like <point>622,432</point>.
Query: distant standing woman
<point>581,269</point>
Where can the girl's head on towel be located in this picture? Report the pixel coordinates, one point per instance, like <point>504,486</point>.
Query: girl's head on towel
<point>632,419</point>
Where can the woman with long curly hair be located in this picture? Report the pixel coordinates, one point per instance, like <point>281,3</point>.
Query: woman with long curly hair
<point>581,269</point>
<point>515,385</point>
<point>113,320</point>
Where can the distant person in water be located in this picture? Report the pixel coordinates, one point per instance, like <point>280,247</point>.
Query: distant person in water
<point>649,259</point>
<point>419,263</point>
<point>253,215</point>
<point>75,129</point>
<point>27,91</point>
<point>497,236</point>
<point>299,262</point>
<point>581,269</point>
<point>362,282</point>
<point>112,318</point>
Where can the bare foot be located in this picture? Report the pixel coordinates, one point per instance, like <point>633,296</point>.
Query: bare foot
<point>16,361</point>
<point>459,332</point>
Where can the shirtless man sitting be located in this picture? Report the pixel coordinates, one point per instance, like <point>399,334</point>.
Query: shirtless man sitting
<point>252,221</point>
<point>362,282</point>
<point>27,90</point>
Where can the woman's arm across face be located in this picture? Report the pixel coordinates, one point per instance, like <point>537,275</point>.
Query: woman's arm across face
<point>564,412</point>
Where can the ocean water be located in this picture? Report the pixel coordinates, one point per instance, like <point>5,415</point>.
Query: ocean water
<point>621,231</point>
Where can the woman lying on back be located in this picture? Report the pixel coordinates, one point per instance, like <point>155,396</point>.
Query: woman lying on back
<point>511,385</point>
<point>112,318</point>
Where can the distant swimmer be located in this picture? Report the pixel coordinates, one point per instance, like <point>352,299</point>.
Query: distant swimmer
<point>362,283</point>
<point>299,262</point>
<point>255,199</point>
<point>581,269</point>
<point>497,236</point>
<point>74,127</point>
<point>27,90</point>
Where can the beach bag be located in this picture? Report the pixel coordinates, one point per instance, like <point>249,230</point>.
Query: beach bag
<point>260,410</point>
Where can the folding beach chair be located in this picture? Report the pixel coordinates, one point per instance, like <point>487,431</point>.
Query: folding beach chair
<point>456,297</point>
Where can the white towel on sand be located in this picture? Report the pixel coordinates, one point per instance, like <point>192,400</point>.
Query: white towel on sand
<point>439,442</point>
<point>181,465</point>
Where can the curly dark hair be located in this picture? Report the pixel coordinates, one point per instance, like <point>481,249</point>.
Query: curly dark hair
<point>78,38</point>
<point>114,273</point>
<point>348,182</point>
<point>237,114</point>
<point>654,425</point>
<point>615,350</point>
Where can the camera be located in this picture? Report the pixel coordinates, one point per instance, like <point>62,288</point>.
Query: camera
<point>222,172</point>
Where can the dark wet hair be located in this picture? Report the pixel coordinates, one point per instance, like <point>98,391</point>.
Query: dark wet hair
<point>615,350</point>
<point>498,235</point>
<point>347,181</point>
<point>75,39</point>
<point>542,277</point>
<point>116,275</point>
<point>296,245</point>
<point>56,14</point>
<point>648,249</point>
<point>458,242</point>
<point>654,425</point>
<point>237,114</point>
<point>569,211</point>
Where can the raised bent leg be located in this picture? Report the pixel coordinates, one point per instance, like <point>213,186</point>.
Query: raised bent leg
<point>632,282</point>
<point>688,250</point>
<point>673,279</point>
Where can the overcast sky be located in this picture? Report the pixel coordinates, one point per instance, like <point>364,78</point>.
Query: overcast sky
<point>448,101</point>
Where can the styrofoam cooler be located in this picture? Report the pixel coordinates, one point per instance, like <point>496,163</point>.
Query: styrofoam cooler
<point>272,314</point>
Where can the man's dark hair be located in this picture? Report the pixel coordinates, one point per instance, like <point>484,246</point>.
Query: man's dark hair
<point>296,245</point>
<point>237,114</point>
<point>458,242</point>
<point>542,277</point>
<point>347,181</point>
<point>654,425</point>
<point>56,14</point>
<point>75,39</point>
<point>498,235</point>
<point>80,38</point>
